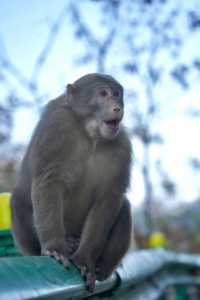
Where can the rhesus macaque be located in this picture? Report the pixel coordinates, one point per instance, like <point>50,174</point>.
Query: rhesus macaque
<point>69,201</point>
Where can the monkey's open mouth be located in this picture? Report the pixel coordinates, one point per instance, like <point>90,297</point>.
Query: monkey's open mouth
<point>113,123</point>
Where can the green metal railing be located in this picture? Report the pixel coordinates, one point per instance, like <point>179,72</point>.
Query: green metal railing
<point>144,275</point>
<point>7,247</point>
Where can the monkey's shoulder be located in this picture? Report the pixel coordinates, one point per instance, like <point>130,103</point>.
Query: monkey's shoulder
<point>55,136</point>
<point>57,123</point>
<point>56,112</point>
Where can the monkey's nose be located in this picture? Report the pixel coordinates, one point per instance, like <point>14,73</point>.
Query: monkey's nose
<point>116,109</point>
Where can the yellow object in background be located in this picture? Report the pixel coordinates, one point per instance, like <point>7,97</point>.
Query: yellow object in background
<point>157,240</point>
<point>5,217</point>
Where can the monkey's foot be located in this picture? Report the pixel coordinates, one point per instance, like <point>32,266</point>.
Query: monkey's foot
<point>88,276</point>
<point>100,273</point>
<point>61,258</point>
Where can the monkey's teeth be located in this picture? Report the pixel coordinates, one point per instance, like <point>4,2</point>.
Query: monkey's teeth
<point>112,122</point>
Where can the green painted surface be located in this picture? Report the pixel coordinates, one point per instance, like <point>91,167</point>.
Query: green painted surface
<point>23,277</point>
<point>7,247</point>
<point>143,275</point>
<point>31,277</point>
<point>181,293</point>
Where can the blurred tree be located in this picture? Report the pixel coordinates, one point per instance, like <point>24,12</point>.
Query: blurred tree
<point>11,101</point>
<point>145,40</point>
<point>97,46</point>
<point>140,40</point>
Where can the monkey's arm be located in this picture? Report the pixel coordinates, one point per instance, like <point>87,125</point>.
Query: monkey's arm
<point>48,218</point>
<point>47,156</point>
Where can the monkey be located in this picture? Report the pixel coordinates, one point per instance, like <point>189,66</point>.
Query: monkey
<point>70,201</point>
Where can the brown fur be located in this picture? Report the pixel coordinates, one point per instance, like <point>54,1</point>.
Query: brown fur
<point>73,180</point>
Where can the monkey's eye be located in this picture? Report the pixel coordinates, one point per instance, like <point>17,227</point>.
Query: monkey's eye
<point>103,93</point>
<point>116,93</point>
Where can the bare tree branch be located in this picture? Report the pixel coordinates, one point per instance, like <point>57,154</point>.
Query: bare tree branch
<point>44,54</point>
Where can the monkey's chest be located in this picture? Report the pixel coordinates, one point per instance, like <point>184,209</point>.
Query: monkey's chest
<point>91,170</point>
<point>98,175</point>
<point>95,176</point>
<point>100,169</point>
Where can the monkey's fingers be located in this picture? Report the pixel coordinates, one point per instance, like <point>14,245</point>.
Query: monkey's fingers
<point>89,278</point>
<point>58,256</point>
<point>90,282</point>
<point>62,259</point>
<point>81,268</point>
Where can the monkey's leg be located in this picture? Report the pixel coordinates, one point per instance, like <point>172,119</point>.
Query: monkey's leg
<point>97,227</point>
<point>47,198</point>
<point>117,244</point>
<point>22,224</point>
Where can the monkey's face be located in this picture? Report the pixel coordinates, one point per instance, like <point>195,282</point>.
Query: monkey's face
<point>110,111</point>
<point>98,100</point>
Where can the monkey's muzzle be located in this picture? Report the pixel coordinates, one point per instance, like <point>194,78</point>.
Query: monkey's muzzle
<point>113,124</point>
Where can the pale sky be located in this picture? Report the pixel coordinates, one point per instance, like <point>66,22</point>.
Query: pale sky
<point>24,30</point>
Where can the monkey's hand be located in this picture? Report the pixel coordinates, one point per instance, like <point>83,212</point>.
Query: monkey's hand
<point>86,269</point>
<point>61,256</point>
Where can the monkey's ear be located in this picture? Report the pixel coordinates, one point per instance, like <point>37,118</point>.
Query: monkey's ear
<point>71,90</point>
